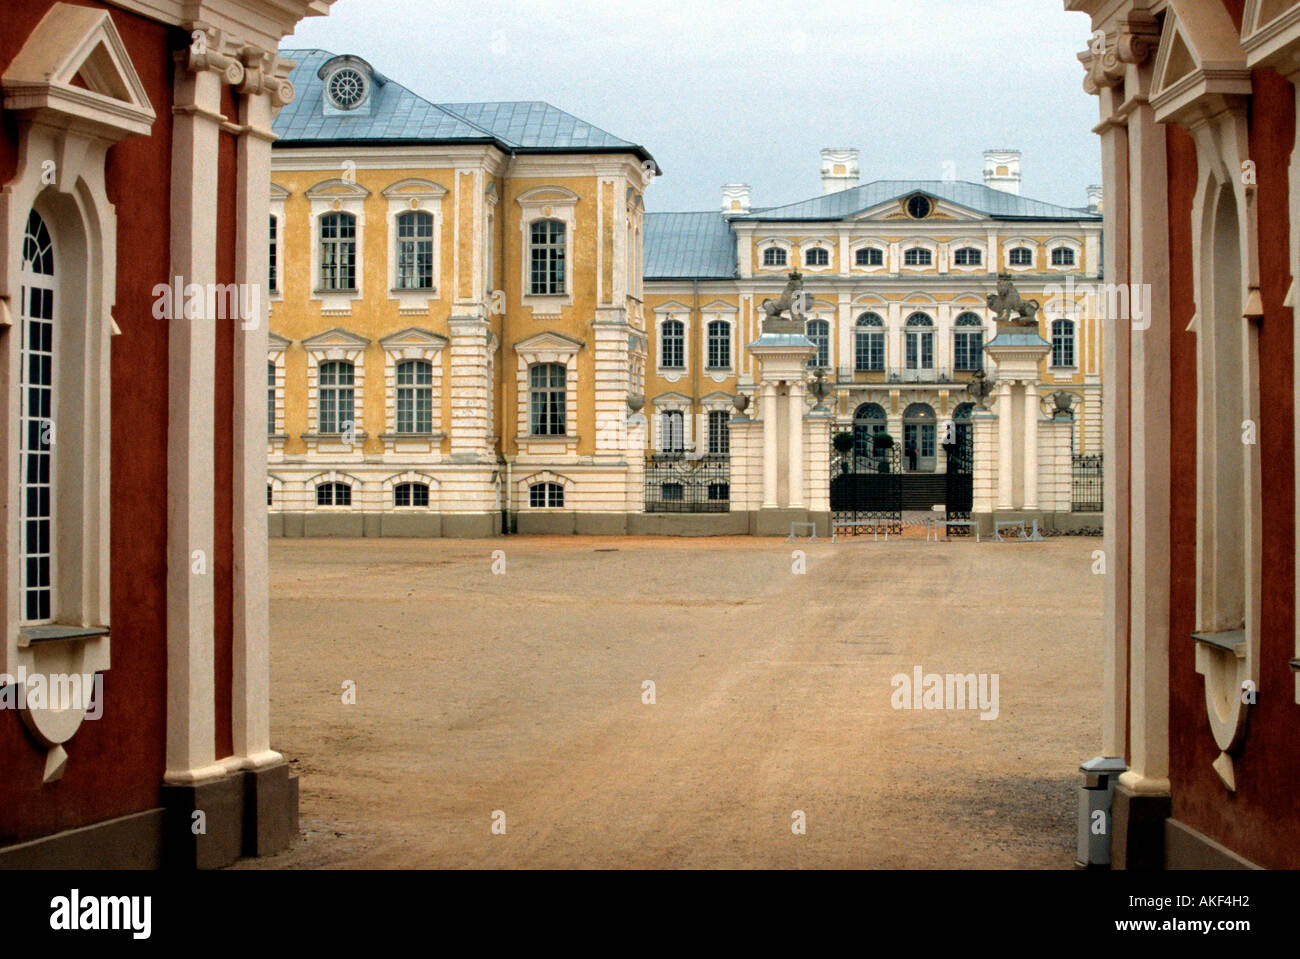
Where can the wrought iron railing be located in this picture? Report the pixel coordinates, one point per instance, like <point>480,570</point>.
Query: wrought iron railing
<point>676,483</point>
<point>1086,486</point>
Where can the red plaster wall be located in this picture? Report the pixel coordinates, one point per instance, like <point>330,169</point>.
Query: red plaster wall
<point>1261,820</point>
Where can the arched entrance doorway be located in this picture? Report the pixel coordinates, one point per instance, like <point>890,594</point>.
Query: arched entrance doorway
<point>868,421</point>
<point>919,438</point>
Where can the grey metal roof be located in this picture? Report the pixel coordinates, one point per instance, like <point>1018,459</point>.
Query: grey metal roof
<point>689,246</point>
<point>973,196</point>
<point>398,114</point>
<point>1018,339</point>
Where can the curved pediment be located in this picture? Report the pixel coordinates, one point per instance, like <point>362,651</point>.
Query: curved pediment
<point>415,188</point>
<point>337,187</point>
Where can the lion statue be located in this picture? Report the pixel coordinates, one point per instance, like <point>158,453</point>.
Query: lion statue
<point>1007,301</point>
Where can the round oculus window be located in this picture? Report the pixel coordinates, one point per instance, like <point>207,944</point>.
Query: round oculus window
<point>918,207</point>
<point>346,88</point>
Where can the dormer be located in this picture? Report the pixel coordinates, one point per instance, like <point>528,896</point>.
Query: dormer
<point>349,86</point>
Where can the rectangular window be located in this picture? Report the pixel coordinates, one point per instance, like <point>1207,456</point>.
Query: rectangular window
<point>272,278</point>
<point>270,397</point>
<point>547,258</point>
<point>672,433</point>
<point>337,397</point>
<point>547,399</point>
<point>414,397</point>
<point>415,251</point>
<point>719,345</point>
<point>969,351</point>
<point>719,433</point>
<point>36,464</point>
<point>338,252</point>
<point>870,352</point>
<point>920,351</point>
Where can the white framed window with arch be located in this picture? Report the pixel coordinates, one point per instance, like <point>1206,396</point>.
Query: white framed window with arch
<point>919,255</point>
<point>410,491</point>
<point>414,220</point>
<point>338,238</point>
<point>968,342</point>
<point>918,342</point>
<point>869,343</point>
<point>672,340</point>
<point>1063,344</point>
<point>868,256</point>
<point>1020,254</point>
<point>413,376</point>
<point>816,256</point>
<point>545,490</point>
<point>673,427</point>
<point>335,490</point>
<point>548,223</point>
<point>818,330</point>
<point>58,269</point>
<point>336,378</point>
<point>719,346</point>
<point>1064,254</point>
<point>547,390</point>
<point>275,275</point>
<point>775,254</point>
<point>968,256</point>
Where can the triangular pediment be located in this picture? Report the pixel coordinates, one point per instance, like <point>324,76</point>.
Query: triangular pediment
<point>716,397</point>
<point>672,306</point>
<point>275,343</point>
<point>1200,59</point>
<point>1269,30</point>
<point>720,306</point>
<point>337,337</point>
<point>75,63</point>
<point>664,398</point>
<point>893,210</point>
<point>414,336</point>
<point>548,342</point>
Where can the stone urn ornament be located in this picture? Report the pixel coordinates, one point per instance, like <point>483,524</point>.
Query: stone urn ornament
<point>635,402</point>
<point>818,390</point>
<point>1062,405</point>
<point>741,402</point>
<point>980,389</point>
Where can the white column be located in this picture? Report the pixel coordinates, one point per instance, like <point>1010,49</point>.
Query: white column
<point>769,446</point>
<point>1031,445</point>
<point>191,744</point>
<point>1006,457</point>
<point>795,463</point>
<point>251,666</point>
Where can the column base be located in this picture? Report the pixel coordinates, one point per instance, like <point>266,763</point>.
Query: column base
<point>1138,829</point>
<point>247,813</point>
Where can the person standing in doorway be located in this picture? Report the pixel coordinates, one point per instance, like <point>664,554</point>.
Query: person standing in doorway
<point>911,457</point>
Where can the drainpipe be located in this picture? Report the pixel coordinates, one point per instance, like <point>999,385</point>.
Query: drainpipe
<point>508,503</point>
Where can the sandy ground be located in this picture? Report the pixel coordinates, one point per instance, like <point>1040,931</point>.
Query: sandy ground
<point>522,693</point>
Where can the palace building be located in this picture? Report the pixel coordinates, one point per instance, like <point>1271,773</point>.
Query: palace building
<point>477,326</point>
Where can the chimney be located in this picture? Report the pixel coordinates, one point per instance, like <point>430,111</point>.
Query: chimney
<point>1094,199</point>
<point>735,199</point>
<point>839,170</point>
<point>1002,170</point>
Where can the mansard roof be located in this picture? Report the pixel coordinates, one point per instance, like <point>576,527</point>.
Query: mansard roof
<point>975,197</point>
<point>398,115</point>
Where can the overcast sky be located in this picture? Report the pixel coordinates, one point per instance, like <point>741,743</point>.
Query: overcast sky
<point>723,91</point>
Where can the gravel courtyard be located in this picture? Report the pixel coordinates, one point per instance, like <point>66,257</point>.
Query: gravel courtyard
<point>522,692</point>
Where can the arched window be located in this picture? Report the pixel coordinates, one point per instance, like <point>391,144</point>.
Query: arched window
<point>968,256</point>
<point>546,258</point>
<point>546,496</point>
<point>719,354</point>
<point>968,343</point>
<point>962,430</point>
<point>411,494</point>
<point>919,342</point>
<point>672,345</point>
<point>919,437</point>
<point>918,256</point>
<point>719,433</point>
<point>817,256</point>
<point>775,256</point>
<point>1063,343</point>
<point>1021,256</point>
<point>672,431</point>
<point>333,494</point>
<point>548,395</point>
<point>1062,256</point>
<point>337,389</point>
<point>37,470</point>
<point>338,252</point>
<point>869,343</point>
<point>819,331</point>
<point>869,256</point>
<point>415,397</point>
<point>415,250</point>
<point>868,422</point>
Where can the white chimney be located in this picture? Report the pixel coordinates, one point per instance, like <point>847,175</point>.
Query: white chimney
<point>735,199</point>
<point>1002,170</point>
<point>839,170</point>
<point>1094,199</point>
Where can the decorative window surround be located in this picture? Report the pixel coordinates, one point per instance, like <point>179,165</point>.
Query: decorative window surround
<point>671,403</point>
<point>276,486</point>
<point>1201,81</point>
<point>275,349</point>
<point>412,344</point>
<point>72,93</point>
<point>523,486</point>
<point>918,244</point>
<point>278,197</point>
<point>419,196</point>
<point>881,248</point>
<point>337,196</point>
<point>681,313</point>
<point>335,344</point>
<point>335,476</point>
<point>726,313</point>
<point>1270,37</point>
<point>979,245</point>
<point>816,244</point>
<point>410,476</point>
<point>1015,243</point>
<point>1069,243</point>
<point>779,244</point>
<point>547,347</point>
<point>547,203</point>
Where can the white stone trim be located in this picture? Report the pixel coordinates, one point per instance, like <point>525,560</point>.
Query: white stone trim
<point>664,313</point>
<point>918,243</point>
<point>547,348</point>
<point>780,243</point>
<point>276,347</point>
<point>1067,242</point>
<point>412,344</point>
<point>866,243</point>
<point>390,485</point>
<point>335,344</point>
<point>523,486</point>
<point>337,195</point>
<point>547,203</point>
<point>414,195</point>
<point>1016,242</point>
<point>816,243</point>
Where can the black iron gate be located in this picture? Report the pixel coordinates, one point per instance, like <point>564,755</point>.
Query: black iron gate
<point>959,498</point>
<point>676,484</point>
<point>867,491</point>
<point>1086,484</point>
